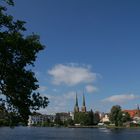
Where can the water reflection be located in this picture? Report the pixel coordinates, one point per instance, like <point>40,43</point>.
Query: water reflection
<point>105,130</point>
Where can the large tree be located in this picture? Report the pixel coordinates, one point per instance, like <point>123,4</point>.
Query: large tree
<point>18,53</point>
<point>85,118</point>
<point>116,115</point>
<point>96,118</point>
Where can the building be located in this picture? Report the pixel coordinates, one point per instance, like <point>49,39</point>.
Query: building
<point>105,118</point>
<point>51,118</point>
<point>63,116</point>
<point>72,115</point>
<point>76,107</point>
<point>37,119</point>
<point>133,113</point>
<point>83,109</point>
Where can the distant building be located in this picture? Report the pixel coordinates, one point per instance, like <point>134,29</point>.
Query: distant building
<point>37,119</point>
<point>83,109</point>
<point>64,116</point>
<point>133,113</point>
<point>72,115</point>
<point>76,107</point>
<point>105,118</point>
<point>51,118</point>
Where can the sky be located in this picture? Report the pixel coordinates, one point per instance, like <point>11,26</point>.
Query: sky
<point>92,47</point>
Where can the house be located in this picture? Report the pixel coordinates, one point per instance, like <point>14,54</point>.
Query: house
<point>37,119</point>
<point>105,118</point>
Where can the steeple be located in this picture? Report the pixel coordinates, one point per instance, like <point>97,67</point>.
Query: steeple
<point>83,99</point>
<point>76,108</point>
<point>84,104</point>
<point>76,104</point>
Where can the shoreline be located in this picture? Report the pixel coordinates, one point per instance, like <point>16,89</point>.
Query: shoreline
<point>102,127</point>
<point>108,127</point>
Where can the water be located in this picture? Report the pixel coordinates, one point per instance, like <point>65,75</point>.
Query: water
<point>32,133</point>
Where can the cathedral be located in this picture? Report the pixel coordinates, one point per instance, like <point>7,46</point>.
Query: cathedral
<point>83,108</point>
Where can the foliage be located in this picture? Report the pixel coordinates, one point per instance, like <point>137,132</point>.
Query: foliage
<point>117,116</point>
<point>18,84</point>
<point>3,116</point>
<point>96,118</point>
<point>91,117</point>
<point>126,117</point>
<point>88,118</point>
<point>58,119</point>
<point>70,122</point>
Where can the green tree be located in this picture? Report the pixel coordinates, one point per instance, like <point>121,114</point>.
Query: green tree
<point>96,118</point>
<point>83,118</point>
<point>58,120</point>
<point>17,55</point>
<point>70,122</point>
<point>91,117</point>
<point>116,115</point>
<point>126,117</point>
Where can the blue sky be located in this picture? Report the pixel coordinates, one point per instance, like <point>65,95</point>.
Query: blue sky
<point>91,46</point>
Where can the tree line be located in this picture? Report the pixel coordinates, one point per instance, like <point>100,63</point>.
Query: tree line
<point>86,118</point>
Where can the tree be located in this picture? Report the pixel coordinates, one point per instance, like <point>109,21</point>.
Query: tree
<point>18,53</point>
<point>91,117</point>
<point>96,118</point>
<point>84,118</point>
<point>70,122</point>
<point>116,115</point>
<point>58,120</point>
<point>126,117</point>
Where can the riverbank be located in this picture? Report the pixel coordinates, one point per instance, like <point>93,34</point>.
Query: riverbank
<point>121,127</point>
<point>83,126</point>
<point>108,127</point>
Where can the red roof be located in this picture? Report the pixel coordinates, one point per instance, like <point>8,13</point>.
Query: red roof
<point>132,113</point>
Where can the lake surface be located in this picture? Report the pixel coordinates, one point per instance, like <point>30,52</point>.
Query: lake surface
<point>34,133</point>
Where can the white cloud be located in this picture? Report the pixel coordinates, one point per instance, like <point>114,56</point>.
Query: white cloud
<point>71,74</point>
<point>70,95</point>
<point>59,103</point>
<point>120,98</point>
<point>91,88</point>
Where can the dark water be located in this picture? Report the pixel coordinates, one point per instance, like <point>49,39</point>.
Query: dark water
<point>31,133</point>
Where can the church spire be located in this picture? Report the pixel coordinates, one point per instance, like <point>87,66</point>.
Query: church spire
<point>76,108</point>
<point>84,100</point>
<point>84,104</point>
<point>76,104</point>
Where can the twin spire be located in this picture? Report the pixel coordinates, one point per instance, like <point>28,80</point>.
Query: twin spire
<point>76,108</point>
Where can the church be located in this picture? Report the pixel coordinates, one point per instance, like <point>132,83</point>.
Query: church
<point>83,108</point>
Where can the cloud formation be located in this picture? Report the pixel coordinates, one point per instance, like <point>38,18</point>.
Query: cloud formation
<point>59,103</point>
<point>121,98</point>
<point>91,89</point>
<point>71,74</point>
